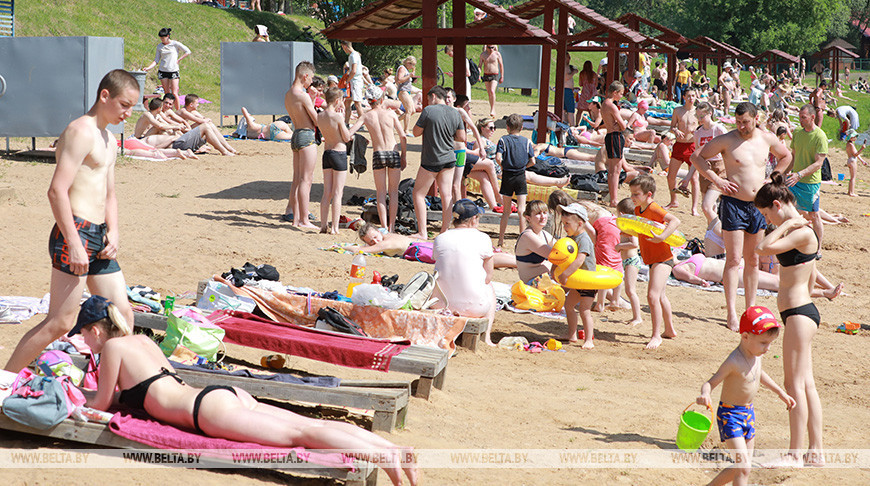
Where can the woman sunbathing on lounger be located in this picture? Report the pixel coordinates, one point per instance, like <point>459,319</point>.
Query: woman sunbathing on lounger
<point>147,381</point>
<point>700,270</point>
<point>394,244</point>
<point>276,130</point>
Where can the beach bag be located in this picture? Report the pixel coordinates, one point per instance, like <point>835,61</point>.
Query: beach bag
<point>419,290</point>
<point>356,154</point>
<point>58,363</point>
<point>474,70</point>
<point>41,402</point>
<point>241,130</point>
<point>219,296</point>
<point>188,327</point>
<point>826,170</point>
<point>420,252</point>
<point>331,320</point>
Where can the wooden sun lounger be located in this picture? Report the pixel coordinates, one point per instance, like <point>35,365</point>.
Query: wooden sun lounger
<point>366,474</point>
<point>430,364</point>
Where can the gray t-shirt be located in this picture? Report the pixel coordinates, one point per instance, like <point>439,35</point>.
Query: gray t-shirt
<point>439,124</point>
<point>515,150</point>
<point>585,245</point>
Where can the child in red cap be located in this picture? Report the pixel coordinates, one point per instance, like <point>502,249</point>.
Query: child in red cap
<point>740,375</point>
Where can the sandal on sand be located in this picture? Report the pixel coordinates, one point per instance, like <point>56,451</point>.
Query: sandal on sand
<point>683,191</point>
<point>849,327</point>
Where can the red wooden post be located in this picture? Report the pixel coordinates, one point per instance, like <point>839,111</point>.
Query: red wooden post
<point>459,49</point>
<point>612,60</point>
<point>430,49</point>
<point>672,75</point>
<point>561,55</point>
<point>544,84</point>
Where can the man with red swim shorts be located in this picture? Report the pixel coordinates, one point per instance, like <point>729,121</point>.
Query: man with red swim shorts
<point>683,125</point>
<point>84,241</point>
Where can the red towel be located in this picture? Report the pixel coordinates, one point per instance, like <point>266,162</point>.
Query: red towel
<point>282,337</point>
<point>162,436</point>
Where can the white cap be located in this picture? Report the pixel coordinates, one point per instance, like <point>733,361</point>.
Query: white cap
<point>727,65</point>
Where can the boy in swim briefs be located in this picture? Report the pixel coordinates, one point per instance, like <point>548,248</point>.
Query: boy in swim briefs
<point>741,375</point>
<point>683,125</point>
<point>614,141</point>
<point>301,110</point>
<point>335,137</point>
<point>657,254</point>
<point>84,241</point>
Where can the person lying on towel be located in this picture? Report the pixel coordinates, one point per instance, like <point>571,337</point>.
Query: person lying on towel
<point>147,381</point>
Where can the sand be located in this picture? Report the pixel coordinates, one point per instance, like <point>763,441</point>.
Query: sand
<point>182,221</point>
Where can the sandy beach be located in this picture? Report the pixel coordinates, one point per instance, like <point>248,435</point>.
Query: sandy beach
<point>183,220</point>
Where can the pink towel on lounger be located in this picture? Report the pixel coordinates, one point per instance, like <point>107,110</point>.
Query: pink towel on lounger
<point>140,428</point>
<point>282,337</point>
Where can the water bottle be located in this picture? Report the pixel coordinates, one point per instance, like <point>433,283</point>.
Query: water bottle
<point>357,272</point>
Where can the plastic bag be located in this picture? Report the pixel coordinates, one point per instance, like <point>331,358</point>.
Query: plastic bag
<point>376,295</point>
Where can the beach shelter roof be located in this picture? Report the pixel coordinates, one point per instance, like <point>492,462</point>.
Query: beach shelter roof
<point>835,52</point>
<point>774,56</point>
<point>840,43</point>
<point>724,49</point>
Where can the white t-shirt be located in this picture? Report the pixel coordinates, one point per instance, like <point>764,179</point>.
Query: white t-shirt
<point>459,255</point>
<point>355,62</point>
<point>167,56</point>
<point>846,112</point>
<point>702,136</point>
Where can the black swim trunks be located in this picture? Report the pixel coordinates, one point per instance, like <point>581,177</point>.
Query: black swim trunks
<point>386,159</point>
<point>513,183</point>
<point>168,75</point>
<point>614,143</point>
<point>738,215</point>
<point>439,167</point>
<point>489,77</point>
<point>334,159</point>
<point>93,238</point>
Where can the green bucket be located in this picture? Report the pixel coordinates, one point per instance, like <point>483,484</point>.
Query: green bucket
<point>694,428</point>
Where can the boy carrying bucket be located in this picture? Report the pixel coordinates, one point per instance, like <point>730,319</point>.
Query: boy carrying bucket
<point>740,375</point>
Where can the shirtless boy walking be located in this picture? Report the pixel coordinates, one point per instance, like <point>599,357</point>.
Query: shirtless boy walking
<point>301,110</point>
<point>84,241</point>
<point>387,162</point>
<point>335,136</point>
<point>492,67</point>
<point>744,151</point>
<point>684,121</point>
<point>614,141</point>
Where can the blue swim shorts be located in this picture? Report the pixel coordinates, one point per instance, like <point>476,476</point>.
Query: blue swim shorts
<point>569,102</point>
<point>738,215</point>
<point>735,421</point>
<point>806,196</point>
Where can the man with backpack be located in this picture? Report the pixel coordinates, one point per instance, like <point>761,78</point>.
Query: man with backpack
<point>472,72</point>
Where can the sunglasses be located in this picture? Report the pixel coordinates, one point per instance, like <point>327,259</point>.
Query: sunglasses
<point>491,127</point>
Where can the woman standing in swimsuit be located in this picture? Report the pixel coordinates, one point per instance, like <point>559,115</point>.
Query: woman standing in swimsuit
<point>404,78</point>
<point>795,245</point>
<point>534,244</point>
<point>147,380</point>
<point>169,54</point>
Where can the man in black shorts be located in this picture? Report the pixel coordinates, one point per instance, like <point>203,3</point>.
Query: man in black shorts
<point>440,126</point>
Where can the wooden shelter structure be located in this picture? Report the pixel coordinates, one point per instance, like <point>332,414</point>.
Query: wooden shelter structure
<point>772,58</point>
<point>724,51</point>
<point>835,53</point>
<point>384,22</point>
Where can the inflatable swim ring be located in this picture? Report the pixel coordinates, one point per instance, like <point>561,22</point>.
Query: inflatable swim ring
<point>564,252</point>
<point>635,225</point>
<point>546,297</point>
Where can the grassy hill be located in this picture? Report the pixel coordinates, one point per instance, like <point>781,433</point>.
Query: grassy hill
<point>200,28</point>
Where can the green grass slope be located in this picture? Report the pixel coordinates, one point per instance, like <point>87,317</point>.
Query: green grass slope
<point>200,28</point>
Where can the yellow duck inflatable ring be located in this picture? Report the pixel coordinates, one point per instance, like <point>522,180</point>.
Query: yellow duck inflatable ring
<point>564,252</point>
<point>548,296</point>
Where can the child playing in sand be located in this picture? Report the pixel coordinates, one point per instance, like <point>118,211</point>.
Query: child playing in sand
<point>657,255</point>
<point>601,228</point>
<point>578,303</point>
<point>627,248</point>
<point>335,135</point>
<point>853,155</point>
<point>514,153</point>
<point>741,375</point>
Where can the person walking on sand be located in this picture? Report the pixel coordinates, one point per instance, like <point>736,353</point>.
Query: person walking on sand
<point>492,67</point>
<point>302,113</point>
<point>357,83</point>
<point>744,151</point>
<point>167,58</point>
<point>84,242</point>
<point>809,149</point>
<point>614,141</point>
<point>684,122</point>
<point>440,125</point>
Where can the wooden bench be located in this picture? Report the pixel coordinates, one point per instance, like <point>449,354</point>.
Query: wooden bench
<point>366,474</point>
<point>430,364</point>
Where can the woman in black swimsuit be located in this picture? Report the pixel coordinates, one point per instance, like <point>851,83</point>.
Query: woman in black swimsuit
<point>136,365</point>
<point>795,245</point>
<point>534,244</point>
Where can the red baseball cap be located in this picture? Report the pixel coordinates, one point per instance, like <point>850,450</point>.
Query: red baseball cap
<point>758,320</point>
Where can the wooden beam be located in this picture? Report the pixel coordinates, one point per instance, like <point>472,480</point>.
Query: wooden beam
<point>561,58</point>
<point>366,34</point>
<point>544,84</point>
<point>430,49</point>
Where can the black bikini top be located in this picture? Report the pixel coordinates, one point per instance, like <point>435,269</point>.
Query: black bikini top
<point>532,258</point>
<point>134,397</point>
<point>794,257</point>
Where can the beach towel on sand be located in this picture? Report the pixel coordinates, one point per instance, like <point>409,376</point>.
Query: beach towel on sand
<point>138,427</point>
<point>282,337</point>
